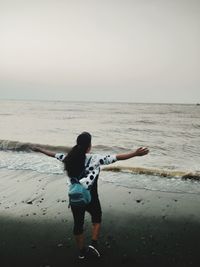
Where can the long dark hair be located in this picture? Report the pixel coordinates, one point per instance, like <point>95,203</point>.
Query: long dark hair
<point>74,162</point>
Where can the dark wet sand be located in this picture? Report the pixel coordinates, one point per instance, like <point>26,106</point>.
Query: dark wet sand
<point>140,228</point>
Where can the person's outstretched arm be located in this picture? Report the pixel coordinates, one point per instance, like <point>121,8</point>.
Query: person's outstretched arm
<point>97,160</point>
<point>44,151</point>
<point>138,152</point>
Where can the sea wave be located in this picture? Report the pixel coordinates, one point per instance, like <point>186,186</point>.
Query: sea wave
<point>155,172</point>
<point>26,147</point>
<point>33,161</point>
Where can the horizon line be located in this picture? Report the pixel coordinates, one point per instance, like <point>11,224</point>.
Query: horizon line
<point>98,101</point>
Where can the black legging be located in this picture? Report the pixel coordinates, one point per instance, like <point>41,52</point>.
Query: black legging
<point>94,208</point>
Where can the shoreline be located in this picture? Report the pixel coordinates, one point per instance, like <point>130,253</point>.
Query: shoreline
<point>139,228</point>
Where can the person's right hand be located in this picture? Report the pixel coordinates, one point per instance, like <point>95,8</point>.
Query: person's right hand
<point>141,151</point>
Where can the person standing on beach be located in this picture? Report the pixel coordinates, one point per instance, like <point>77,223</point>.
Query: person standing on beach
<point>77,160</point>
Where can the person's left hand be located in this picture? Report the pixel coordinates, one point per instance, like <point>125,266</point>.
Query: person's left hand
<point>141,151</point>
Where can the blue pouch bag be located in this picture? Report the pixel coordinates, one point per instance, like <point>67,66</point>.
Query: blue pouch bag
<point>78,195</point>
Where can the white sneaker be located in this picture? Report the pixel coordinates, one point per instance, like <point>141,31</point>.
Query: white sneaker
<point>82,255</point>
<point>94,251</point>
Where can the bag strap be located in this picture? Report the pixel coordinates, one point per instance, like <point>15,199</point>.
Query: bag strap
<point>88,163</point>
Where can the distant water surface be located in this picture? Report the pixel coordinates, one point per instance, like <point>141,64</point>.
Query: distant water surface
<point>171,131</point>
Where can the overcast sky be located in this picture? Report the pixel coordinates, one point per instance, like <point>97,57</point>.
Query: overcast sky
<point>102,50</point>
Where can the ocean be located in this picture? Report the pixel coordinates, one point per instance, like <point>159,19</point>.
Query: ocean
<point>170,131</point>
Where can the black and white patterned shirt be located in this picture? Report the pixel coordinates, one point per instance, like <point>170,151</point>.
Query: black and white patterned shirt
<point>93,169</point>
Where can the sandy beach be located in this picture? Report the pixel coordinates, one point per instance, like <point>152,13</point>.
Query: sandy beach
<point>140,227</point>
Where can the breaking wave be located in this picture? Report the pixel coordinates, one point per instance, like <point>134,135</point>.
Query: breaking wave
<point>16,146</point>
<point>26,146</point>
<point>155,172</point>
